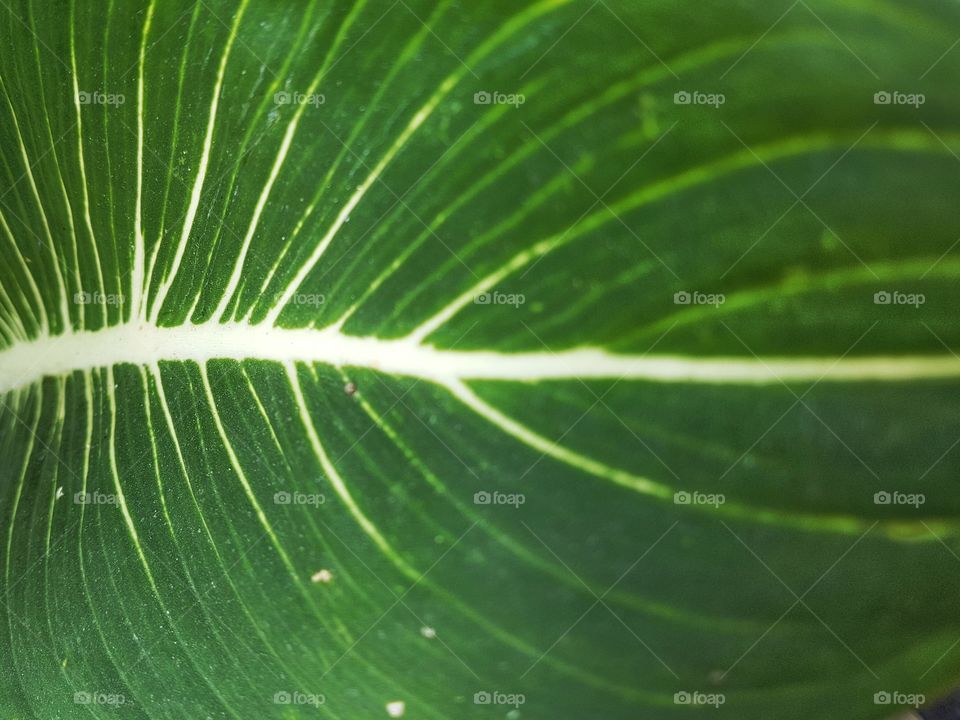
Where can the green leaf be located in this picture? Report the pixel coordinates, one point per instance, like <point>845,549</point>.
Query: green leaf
<point>543,359</point>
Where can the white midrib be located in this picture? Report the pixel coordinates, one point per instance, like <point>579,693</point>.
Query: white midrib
<point>145,344</point>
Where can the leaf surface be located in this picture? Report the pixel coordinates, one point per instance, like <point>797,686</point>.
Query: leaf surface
<point>470,360</point>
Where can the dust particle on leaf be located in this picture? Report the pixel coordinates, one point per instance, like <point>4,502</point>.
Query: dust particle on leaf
<point>322,576</point>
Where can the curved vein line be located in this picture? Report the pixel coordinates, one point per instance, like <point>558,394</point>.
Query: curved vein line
<point>687,61</point>
<point>648,607</point>
<point>228,292</point>
<point>413,125</point>
<point>171,274</point>
<point>163,505</point>
<point>227,295</point>
<point>111,208</point>
<point>64,309</point>
<point>843,524</point>
<point>247,489</point>
<point>135,537</point>
<point>243,150</point>
<point>337,481</point>
<point>7,332</point>
<point>181,75</point>
<point>14,323</point>
<point>43,324</point>
<point>830,279</point>
<point>139,251</point>
<point>18,492</point>
<point>48,546</point>
<point>56,161</point>
<point>85,474</point>
<point>154,371</point>
<point>899,139</point>
<point>135,681</point>
<point>371,530</point>
<point>347,636</point>
<point>88,221</point>
<point>398,64</point>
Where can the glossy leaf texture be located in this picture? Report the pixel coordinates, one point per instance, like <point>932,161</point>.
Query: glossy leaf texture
<point>524,359</point>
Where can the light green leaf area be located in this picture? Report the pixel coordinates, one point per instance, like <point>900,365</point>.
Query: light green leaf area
<point>339,382</point>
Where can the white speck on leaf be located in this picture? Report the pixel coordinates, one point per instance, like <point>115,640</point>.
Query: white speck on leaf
<point>396,708</point>
<point>428,632</point>
<point>323,576</point>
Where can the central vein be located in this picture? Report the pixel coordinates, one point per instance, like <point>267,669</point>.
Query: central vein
<point>143,344</point>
